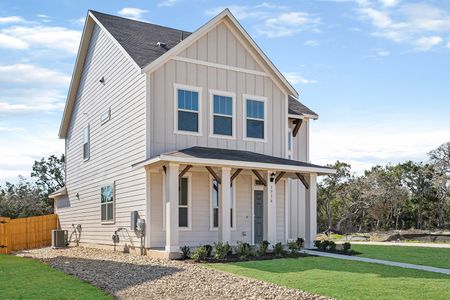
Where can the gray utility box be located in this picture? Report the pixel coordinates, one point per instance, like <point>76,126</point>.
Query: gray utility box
<point>59,238</point>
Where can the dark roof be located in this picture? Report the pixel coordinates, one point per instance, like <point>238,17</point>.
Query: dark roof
<point>139,39</point>
<point>238,155</point>
<point>297,108</point>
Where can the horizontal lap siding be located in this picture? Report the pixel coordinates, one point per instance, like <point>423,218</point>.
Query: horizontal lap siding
<point>217,46</point>
<point>115,145</point>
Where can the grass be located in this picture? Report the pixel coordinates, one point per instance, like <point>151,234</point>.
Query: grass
<point>434,257</point>
<point>24,278</point>
<point>345,279</point>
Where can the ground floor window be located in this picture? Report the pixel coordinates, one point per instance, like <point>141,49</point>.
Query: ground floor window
<point>107,203</point>
<point>183,203</point>
<point>215,205</point>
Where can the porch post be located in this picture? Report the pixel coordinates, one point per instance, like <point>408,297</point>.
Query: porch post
<point>172,182</point>
<point>225,207</point>
<point>311,211</point>
<point>271,209</point>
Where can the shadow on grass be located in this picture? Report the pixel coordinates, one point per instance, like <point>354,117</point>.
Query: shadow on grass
<point>109,275</point>
<point>291,265</point>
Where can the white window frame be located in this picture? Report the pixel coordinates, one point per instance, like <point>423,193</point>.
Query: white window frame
<point>246,97</point>
<point>189,204</point>
<point>213,93</point>
<point>176,87</point>
<point>211,205</point>
<point>105,116</point>
<point>289,151</point>
<point>88,127</point>
<point>113,220</point>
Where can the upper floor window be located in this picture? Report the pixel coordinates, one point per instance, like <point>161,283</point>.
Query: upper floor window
<point>255,118</point>
<point>86,143</point>
<point>222,122</point>
<point>188,105</point>
<point>289,144</point>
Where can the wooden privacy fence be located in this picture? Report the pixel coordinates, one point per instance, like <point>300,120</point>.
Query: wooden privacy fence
<point>26,233</point>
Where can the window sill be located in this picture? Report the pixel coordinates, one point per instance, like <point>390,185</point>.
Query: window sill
<point>255,140</point>
<point>108,222</point>
<point>221,136</point>
<point>184,228</point>
<point>187,133</point>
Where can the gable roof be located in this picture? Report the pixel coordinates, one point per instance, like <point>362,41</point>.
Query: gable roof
<point>299,109</point>
<point>138,41</point>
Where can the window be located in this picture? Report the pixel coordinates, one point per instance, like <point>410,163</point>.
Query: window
<point>188,104</point>
<point>289,144</point>
<point>215,206</point>
<point>105,116</point>
<point>107,203</point>
<point>86,143</point>
<point>183,203</point>
<point>222,114</point>
<point>255,127</point>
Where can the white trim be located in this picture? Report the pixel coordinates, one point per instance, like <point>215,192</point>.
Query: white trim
<point>88,127</point>
<point>291,137</point>
<point>263,99</point>
<point>176,87</point>
<point>213,92</point>
<point>189,205</point>
<point>219,66</point>
<point>164,200</point>
<point>287,208</point>
<point>234,164</point>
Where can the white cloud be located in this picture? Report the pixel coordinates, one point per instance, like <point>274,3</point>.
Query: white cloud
<point>28,100</point>
<point>312,43</point>
<point>389,3</point>
<point>295,78</point>
<point>11,19</point>
<point>27,73</point>
<point>272,20</point>
<point>448,44</point>
<point>382,52</point>
<point>11,42</point>
<point>132,13</point>
<point>47,37</point>
<point>167,3</point>
<point>427,42</point>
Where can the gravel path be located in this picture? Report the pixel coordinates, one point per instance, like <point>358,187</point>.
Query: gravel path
<point>140,277</point>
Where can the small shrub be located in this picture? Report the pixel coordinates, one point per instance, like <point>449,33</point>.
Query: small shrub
<point>243,250</point>
<point>293,247</point>
<point>325,245</point>
<point>278,249</point>
<point>300,242</point>
<point>185,252</point>
<point>346,247</point>
<point>199,253</point>
<point>318,244</point>
<point>331,246</point>
<point>209,249</point>
<point>221,250</point>
<point>262,249</point>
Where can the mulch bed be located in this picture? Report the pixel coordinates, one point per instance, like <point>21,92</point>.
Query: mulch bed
<point>236,258</point>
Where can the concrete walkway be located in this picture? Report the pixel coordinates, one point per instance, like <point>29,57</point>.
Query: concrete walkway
<point>430,245</point>
<point>379,261</point>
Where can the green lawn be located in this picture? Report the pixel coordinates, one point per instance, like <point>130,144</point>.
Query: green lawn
<point>434,257</point>
<point>23,278</point>
<point>345,279</point>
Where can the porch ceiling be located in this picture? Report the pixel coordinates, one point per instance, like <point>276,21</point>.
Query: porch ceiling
<point>203,156</point>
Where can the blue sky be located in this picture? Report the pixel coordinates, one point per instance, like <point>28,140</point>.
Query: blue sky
<point>377,72</point>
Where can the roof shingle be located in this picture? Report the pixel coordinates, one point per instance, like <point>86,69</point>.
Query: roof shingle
<point>297,108</point>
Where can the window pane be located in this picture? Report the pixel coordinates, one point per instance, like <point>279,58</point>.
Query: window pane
<point>249,108</point>
<point>194,99</point>
<point>106,193</point>
<point>86,135</point>
<point>215,217</point>
<point>216,104</point>
<point>109,211</point>
<point>229,106</point>
<point>183,196</point>
<point>187,121</point>
<point>255,109</point>
<point>231,217</point>
<point>255,129</point>
<point>180,99</point>
<point>223,125</point>
<point>215,193</point>
<point>187,100</point>
<point>85,150</point>
<point>182,217</point>
<point>103,212</point>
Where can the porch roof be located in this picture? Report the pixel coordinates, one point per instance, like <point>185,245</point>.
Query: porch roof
<point>234,159</point>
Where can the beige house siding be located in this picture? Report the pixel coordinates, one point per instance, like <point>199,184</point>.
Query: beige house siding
<point>218,46</point>
<point>114,146</point>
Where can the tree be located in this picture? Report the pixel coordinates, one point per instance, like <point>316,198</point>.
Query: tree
<point>49,174</point>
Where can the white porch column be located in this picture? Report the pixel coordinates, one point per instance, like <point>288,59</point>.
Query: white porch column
<point>172,182</point>
<point>311,211</point>
<point>225,206</point>
<point>271,209</point>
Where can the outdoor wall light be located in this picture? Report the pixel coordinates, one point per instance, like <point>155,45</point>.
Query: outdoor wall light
<point>272,177</point>
<point>102,80</point>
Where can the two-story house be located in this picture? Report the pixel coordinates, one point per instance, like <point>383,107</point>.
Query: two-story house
<point>198,132</point>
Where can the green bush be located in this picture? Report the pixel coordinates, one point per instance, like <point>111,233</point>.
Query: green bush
<point>185,252</point>
<point>243,250</point>
<point>300,242</point>
<point>331,246</point>
<point>278,249</point>
<point>262,249</point>
<point>346,247</point>
<point>199,253</point>
<point>293,247</point>
<point>221,250</point>
<point>209,249</point>
<point>318,244</point>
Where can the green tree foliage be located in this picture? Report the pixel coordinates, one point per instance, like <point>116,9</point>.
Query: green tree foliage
<point>30,198</point>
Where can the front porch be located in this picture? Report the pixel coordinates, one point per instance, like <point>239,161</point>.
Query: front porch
<point>201,196</point>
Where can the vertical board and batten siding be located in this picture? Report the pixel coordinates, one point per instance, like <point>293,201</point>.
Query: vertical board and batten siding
<point>218,46</point>
<point>114,145</point>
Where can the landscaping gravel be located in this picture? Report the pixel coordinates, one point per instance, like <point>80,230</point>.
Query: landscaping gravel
<point>128,276</point>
